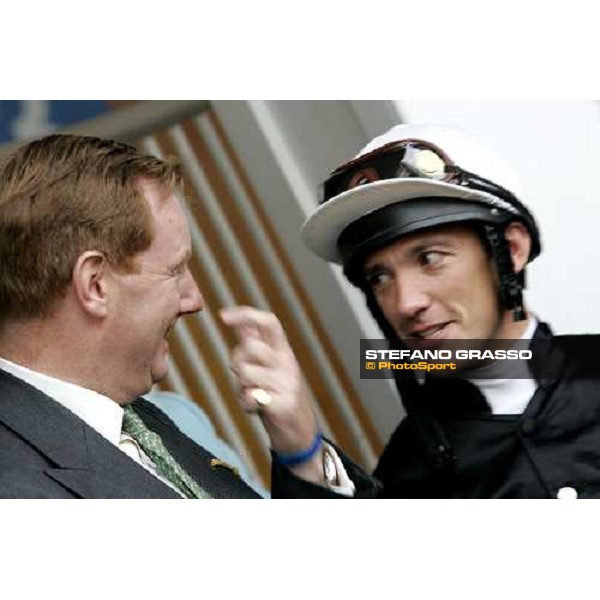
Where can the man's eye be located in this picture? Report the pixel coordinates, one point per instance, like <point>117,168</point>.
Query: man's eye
<point>377,279</point>
<point>430,258</point>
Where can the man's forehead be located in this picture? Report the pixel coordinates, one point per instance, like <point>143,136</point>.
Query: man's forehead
<point>171,224</point>
<point>153,189</point>
<point>452,236</point>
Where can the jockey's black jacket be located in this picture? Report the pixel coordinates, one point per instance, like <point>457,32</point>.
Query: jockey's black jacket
<point>554,444</point>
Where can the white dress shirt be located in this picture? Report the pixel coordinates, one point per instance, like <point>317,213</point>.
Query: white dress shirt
<point>99,412</point>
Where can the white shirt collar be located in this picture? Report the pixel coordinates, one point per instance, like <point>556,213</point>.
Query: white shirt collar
<point>98,411</point>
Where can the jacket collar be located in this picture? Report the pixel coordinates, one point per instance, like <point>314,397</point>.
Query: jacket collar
<point>547,360</point>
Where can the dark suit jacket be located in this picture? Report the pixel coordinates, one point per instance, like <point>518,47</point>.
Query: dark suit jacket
<point>48,452</point>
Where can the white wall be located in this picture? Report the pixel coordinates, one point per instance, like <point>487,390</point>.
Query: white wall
<point>555,147</point>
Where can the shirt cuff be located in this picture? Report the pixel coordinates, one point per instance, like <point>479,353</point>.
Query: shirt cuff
<point>344,485</point>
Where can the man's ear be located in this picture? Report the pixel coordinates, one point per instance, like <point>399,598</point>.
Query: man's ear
<point>90,283</point>
<point>519,243</point>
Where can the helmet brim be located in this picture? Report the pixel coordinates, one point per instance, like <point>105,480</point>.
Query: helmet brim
<point>322,230</point>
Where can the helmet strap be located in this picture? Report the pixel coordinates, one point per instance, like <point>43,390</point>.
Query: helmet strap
<point>511,283</point>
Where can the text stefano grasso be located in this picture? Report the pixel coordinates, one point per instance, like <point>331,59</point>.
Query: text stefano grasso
<point>496,354</point>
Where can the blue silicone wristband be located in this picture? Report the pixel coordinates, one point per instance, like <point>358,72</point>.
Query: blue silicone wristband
<point>297,458</point>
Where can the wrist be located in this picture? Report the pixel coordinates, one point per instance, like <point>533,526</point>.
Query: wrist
<point>291,437</point>
<point>305,455</point>
<point>306,463</point>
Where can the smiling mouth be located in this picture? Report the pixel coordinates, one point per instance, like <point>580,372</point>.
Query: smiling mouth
<point>431,333</point>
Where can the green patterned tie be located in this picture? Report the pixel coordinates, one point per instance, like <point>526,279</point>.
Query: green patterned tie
<point>152,445</point>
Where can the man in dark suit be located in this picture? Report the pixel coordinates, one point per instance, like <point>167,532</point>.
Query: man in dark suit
<point>94,251</point>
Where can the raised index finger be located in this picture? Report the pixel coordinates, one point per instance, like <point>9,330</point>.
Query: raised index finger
<point>246,318</point>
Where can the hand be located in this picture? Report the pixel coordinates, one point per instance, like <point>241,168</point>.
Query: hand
<point>264,359</point>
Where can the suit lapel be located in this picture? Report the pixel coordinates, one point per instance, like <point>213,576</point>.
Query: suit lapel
<point>80,459</point>
<point>218,481</point>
